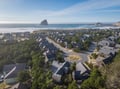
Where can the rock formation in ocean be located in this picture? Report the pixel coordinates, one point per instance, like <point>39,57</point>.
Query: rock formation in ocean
<point>44,22</point>
<point>98,24</point>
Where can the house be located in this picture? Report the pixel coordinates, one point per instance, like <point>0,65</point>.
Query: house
<point>46,46</point>
<point>112,38</point>
<point>55,65</point>
<point>11,72</point>
<point>49,56</point>
<point>107,42</point>
<point>81,73</point>
<point>108,53</point>
<point>105,56</point>
<point>117,46</point>
<point>61,71</point>
<point>107,50</point>
<point>86,35</point>
<point>71,33</point>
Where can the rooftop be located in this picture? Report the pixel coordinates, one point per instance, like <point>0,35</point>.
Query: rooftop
<point>12,70</point>
<point>81,67</point>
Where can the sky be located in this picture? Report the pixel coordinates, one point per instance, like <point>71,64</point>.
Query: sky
<point>59,11</point>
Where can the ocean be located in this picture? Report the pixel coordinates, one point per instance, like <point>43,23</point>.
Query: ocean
<point>31,27</point>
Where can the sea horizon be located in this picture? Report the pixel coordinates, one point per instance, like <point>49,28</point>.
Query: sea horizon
<point>20,27</point>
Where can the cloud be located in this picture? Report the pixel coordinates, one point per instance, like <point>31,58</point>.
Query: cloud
<point>108,11</point>
<point>71,13</point>
<point>89,5</point>
<point>41,12</point>
<point>6,2</point>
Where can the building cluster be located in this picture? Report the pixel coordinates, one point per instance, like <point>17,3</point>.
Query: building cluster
<point>60,69</point>
<point>11,71</point>
<point>105,51</point>
<point>69,39</point>
<point>12,37</point>
<point>48,49</point>
<point>10,75</point>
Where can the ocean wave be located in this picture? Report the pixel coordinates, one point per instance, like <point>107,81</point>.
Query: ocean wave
<point>31,29</point>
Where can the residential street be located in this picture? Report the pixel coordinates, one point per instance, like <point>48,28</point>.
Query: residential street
<point>83,56</point>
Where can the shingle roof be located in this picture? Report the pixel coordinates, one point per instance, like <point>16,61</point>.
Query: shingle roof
<point>12,70</point>
<point>107,50</point>
<point>80,67</point>
<point>55,66</point>
<point>61,71</point>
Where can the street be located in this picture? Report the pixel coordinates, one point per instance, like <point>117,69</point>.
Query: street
<point>83,56</point>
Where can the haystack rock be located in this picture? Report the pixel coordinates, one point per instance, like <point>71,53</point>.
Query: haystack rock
<point>44,22</point>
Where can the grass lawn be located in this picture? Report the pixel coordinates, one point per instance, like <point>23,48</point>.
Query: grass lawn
<point>74,57</point>
<point>4,86</point>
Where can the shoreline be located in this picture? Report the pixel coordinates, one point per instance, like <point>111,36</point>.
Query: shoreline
<point>31,30</point>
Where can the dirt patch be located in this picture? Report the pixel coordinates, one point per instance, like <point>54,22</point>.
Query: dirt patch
<point>74,57</point>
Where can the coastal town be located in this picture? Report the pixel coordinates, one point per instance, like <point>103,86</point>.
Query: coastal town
<point>59,44</point>
<point>70,55</point>
<point>14,37</point>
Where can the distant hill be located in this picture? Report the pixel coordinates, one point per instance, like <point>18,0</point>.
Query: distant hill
<point>44,22</point>
<point>117,24</point>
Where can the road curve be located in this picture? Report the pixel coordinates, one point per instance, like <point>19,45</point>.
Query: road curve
<point>83,56</point>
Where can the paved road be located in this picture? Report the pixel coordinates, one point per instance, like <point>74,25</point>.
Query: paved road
<point>83,56</point>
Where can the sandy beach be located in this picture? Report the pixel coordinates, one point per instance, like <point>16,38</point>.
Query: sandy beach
<point>30,29</point>
<point>11,30</point>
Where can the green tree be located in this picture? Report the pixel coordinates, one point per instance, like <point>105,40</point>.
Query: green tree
<point>59,57</point>
<point>95,81</point>
<point>23,76</point>
<point>113,74</point>
<point>57,87</point>
<point>73,85</point>
<point>94,55</point>
<point>73,67</point>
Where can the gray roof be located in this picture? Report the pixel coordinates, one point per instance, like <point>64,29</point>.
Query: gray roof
<point>81,67</point>
<point>62,68</point>
<point>60,71</point>
<point>107,50</point>
<point>106,42</point>
<point>12,70</point>
<point>103,42</point>
<point>55,66</point>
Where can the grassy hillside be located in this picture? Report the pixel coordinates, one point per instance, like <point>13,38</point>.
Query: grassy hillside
<point>113,74</point>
